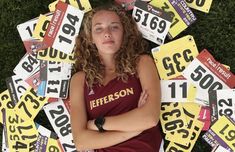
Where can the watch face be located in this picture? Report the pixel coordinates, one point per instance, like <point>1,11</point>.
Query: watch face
<point>100,120</point>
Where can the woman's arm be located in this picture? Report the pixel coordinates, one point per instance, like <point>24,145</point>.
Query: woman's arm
<point>147,115</point>
<point>84,138</point>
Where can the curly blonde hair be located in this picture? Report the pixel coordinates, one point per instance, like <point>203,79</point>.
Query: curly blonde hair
<point>126,59</point>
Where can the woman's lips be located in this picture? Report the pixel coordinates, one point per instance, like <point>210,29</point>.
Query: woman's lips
<point>108,42</point>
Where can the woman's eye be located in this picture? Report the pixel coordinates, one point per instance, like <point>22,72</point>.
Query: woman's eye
<point>114,27</point>
<point>99,29</point>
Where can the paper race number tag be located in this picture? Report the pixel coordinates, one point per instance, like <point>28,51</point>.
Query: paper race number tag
<point>172,58</point>
<point>46,144</point>
<point>152,22</point>
<point>182,14</point>
<point>50,54</point>
<point>219,148</point>
<point>11,120</point>
<point>5,103</point>
<point>209,138</point>
<point>27,66</point>
<point>41,143</point>
<point>178,147</point>
<point>205,116</point>
<point>55,78</point>
<point>16,87</point>
<point>21,136</point>
<point>47,140</point>
<point>58,69</point>
<point>172,117</point>
<point>34,80</point>
<point>41,26</point>
<point>83,5</point>
<point>53,145</point>
<point>177,90</point>
<point>63,28</point>
<point>26,29</point>
<point>201,5</point>
<point>222,102</point>
<point>59,118</point>
<point>26,33</point>
<point>28,132</point>
<point>183,135</point>
<point>207,75</point>
<point>29,105</point>
<point>224,130</point>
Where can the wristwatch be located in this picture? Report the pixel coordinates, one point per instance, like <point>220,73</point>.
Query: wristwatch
<point>99,122</point>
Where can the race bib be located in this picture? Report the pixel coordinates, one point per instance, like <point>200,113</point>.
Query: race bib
<point>50,54</point>
<point>207,74</point>
<point>152,22</point>
<point>201,5</point>
<point>224,131</point>
<point>172,117</point>
<point>27,66</point>
<point>29,105</point>
<point>63,28</point>
<point>55,78</point>
<point>59,118</point>
<point>83,5</point>
<point>196,132</point>
<point>176,90</point>
<point>172,58</point>
<point>41,26</point>
<point>16,87</point>
<point>26,30</point>
<point>222,102</point>
<point>182,14</point>
<point>5,102</point>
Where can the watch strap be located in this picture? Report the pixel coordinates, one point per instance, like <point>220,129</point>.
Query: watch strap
<point>99,122</point>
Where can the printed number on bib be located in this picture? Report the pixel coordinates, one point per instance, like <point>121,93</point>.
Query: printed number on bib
<point>153,23</point>
<point>172,117</point>
<point>59,118</point>
<point>201,5</point>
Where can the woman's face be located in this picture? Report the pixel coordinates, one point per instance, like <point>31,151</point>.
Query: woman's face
<point>107,32</point>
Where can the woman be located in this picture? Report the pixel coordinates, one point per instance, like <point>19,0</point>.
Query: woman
<point>115,95</point>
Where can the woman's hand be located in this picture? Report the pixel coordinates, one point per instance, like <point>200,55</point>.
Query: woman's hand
<point>141,102</point>
<point>143,98</point>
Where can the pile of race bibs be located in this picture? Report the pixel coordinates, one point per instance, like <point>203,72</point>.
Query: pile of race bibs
<point>41,81</point>
<point>197,95</point>
<point>196,90</point>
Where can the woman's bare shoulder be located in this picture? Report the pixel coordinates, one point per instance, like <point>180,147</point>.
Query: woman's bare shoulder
<point>146,66</point>
<point>78,77</point>
<point>145,59</point>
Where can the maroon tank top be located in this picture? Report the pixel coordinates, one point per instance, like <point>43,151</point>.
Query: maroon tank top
<point>115,98</point>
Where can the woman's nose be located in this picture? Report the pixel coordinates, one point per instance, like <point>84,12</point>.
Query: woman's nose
<point>107,33</point>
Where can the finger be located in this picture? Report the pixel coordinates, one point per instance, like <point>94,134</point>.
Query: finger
<point>141,96</point>
<point>140,99</point>
<point>145,96</point>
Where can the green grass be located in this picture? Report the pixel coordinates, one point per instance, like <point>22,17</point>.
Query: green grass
<point>214,31</point>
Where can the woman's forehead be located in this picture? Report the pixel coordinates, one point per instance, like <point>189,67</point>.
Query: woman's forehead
<point>105,16</point>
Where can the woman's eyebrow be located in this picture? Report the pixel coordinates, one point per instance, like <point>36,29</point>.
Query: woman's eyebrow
<point>115,22</point>
<point>97,24</point>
